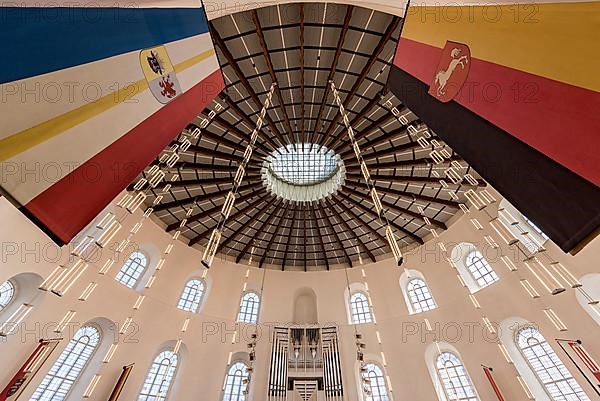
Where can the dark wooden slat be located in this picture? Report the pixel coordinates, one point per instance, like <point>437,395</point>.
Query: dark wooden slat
<point>333,68</point>
<point>398,209</point>
<point>258,230</point>
<point>221,44</point>
<point>335,234</point>
<point>372,213</point>
<point>319,235</point>
<point>365,71</point>
<point>275,233</point>
<point>232,217</point>
<point>349,230</point>
<point>208,196</point>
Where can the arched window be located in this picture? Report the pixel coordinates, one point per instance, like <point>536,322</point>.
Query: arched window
<point>455,379</point>
<point>376,387</point>
<point>159,378</point>
<point>7,292</point>
<point>359,308</point>
<point>191,296</point>
<point>550,371</point>
<point>249,308</point>
<point>480,269</point>
<point>132,270</point>
<point>69,365</point>
<point>419,295</point>
<point>234,382</point>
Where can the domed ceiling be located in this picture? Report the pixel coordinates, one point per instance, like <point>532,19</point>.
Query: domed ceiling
<point>303,204</point>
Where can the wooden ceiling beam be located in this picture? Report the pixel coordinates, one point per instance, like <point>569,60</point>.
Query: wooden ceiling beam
<point>362,114</point>
<point>332,69</point>
<point>398,209</point>
<point>208,196</point>
<point>232,217</point>
<point>244,81</point>
<point>397,178</point>
<point>275,233</point>
<point>243,227</point>
<point>417,197</point>
<point>265,50</point>
<point>289,240</point>
<point>302,106</point>
<point>351,231</point>
<point>335,234</point>
<point>258,230</point>
<point>365,71</point>
<point>370,211</point>
<point>316,225</point>
<point>212,210</point>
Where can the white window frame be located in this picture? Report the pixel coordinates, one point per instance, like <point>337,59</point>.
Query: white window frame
<point>477,265</point>
<point>48,386</point>
<point>189,302</point>
<point>557,367</point>
<point>381,383</point>
<point>247,314</point>
<point>423,302</point>
<point>364,315</point>
<point>446,377</point>
<point>161,371</point>
<point>8,292</point>
<point>124,276</point>
<point>232,380</point>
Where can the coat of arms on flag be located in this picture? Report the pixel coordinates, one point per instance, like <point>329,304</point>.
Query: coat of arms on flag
<point>452,71</point>
<point>160,74</point>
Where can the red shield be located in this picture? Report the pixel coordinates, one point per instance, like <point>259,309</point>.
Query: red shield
<point>452,71</point>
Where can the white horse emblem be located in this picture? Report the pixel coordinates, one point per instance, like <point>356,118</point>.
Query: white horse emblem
<point>442,77</point>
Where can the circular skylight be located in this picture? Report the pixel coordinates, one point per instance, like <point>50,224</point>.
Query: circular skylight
<point>303,163</point>
<point>303,172</point>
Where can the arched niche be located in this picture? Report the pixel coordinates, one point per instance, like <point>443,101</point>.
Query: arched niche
<point>305,306</point>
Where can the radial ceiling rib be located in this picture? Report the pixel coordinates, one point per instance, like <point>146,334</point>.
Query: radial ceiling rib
<point>372,213</point>
<point>323,211</point>
<point>204,197</point>
<point>398,209</point>
<point>259,230</point>
<point>233,217</point>
<point>265,49</point>
<point>274,234</point>
<point>231,60</point>
<point>380,46</point>
<point>320,237</point>
<point>350,230</point>
<point>250,219</point>
<point>333,68</point>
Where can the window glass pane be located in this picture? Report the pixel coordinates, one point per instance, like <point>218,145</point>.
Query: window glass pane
<point>191,296</point>
<point>549,369</point>
<point>249,308</point>
<point>234,383</point>
<point>480,269</point>
<point>7,291</point>
<point>68,366</point>
<point>377,390</point>
<point>303,163</point>
<point>455,379</point>
<point>132,270</point>
<point>160,377</point>
<point>419,296</point>
<point>359,308</point>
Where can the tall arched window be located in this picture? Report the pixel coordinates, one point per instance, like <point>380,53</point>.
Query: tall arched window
<point>234,382</point>
<point>419,295</point>
<point>359,308</point>
<point>550,371</point>
<point>133,269</point>
<point>69,365</point>
<point>480,269</point>
<point>7,292</point>
<point>376,387</point>
<point>249,308</point>
<point>191,296</point>
<point>455,379</point>
<point>160,377</point>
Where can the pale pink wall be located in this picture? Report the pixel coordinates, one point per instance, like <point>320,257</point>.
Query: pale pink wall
<point>203,366</point>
